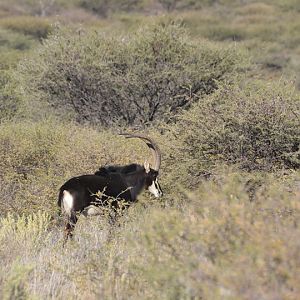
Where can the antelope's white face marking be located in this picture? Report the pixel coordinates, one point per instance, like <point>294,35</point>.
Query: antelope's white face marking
<point>155,189</point>
<point>68,202</point>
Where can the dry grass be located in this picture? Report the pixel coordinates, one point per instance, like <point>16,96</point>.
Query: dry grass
<point>213,243</point>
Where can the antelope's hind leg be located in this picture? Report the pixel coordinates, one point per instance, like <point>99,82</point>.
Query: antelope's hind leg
<point>69,228</point>
<point>68,232</point>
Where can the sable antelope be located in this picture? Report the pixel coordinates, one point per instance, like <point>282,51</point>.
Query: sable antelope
<point>86,193</point>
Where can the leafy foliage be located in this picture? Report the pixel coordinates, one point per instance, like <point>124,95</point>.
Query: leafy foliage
<point>9,101</point>
<point>257,128</point>
<point>127,80</point>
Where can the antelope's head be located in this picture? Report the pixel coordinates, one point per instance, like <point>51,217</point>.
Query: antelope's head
<point>150,173</point>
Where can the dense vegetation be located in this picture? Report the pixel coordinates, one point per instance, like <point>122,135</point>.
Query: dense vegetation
<point>215,84</point>
<point>129,80</point>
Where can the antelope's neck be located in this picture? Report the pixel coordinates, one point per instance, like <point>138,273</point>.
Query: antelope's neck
<point>136,182</point>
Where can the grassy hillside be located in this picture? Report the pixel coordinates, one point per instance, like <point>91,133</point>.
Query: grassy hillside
<point>215,83</point>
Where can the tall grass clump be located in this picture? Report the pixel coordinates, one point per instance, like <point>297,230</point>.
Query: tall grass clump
<point>104,8</point>
<point>40,8</point>
<point>202,250</point>
<point>127,80</point>
<point>9,102</point>
<point>15,41</point>
<point>256,127</point>
<point>218,244</point>
<point>34,26</point>
<point>30,234</point>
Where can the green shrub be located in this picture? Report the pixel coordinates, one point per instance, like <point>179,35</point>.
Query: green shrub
<point>256,127</point>
<point>37,27</point>
<point>16,41</point>
<point>126,80</point>
<point>223,32</point>
<point>9,101</point>
<point>258,8</point>
<point>28,233</point>
<point>16,285</point>
<point>220,245</point>
<point>99,7</point>
<point>289,5</point>
<point>12,47</point>
<point>35,7</point>
<point>169,4</point>
<point>9,59</point>
<point>104,7</point>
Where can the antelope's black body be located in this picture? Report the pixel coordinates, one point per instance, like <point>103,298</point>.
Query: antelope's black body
<point>86,189</point>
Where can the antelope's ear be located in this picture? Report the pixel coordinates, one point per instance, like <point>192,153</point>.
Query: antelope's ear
<point>147,166</point>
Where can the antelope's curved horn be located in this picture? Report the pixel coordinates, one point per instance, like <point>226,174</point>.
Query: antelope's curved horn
<point>151,144</point>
